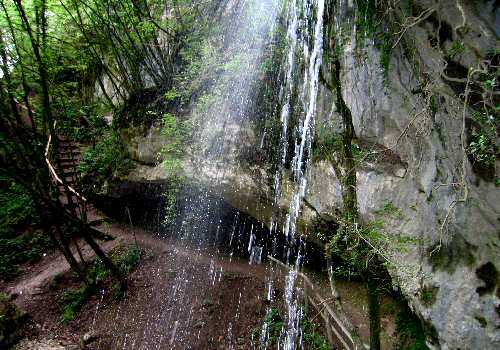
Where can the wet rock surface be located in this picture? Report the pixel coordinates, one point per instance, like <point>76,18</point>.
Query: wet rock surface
<point>413,176</point>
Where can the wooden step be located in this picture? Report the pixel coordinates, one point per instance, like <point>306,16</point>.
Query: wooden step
<point>68,143</point>
<point>68,164</point>
<point>70,157</point>
<point>68,147</point>
<point>68,171</point>
<point>69,151</point>
<point>64,199</point>
<point>69,180</point>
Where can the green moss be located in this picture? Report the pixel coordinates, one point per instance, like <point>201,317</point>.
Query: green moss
<point>73,300</point>
<point>428,295</point>
<point>384,43</point>
<point>366,21</point>
<point>409,330</point>
<point>389,209</point>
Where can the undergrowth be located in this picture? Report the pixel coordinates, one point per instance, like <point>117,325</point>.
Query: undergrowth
<point>18,243</point>
<point>312,338</point>
<point>73,300</point>
<point>104,162</point>
<point>409,330</point>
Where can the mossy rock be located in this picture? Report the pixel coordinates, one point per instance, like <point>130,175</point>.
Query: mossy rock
<point>12,322</point>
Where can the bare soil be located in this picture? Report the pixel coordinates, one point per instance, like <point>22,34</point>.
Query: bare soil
<point>179,297</point>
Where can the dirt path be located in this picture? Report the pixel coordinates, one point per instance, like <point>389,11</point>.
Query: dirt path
<point>35,277</point>
<point>180,297</point>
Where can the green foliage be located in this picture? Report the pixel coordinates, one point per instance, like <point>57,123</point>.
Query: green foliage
<point>12,321</point>
<point>104,162</point>
<point>384,43</point>
<point>361,154</point>
<point>482,146</point>
<point>428,295</point>
<point>129,260</point>
<point>170,206</point>
<point>16,208</point>
<point>356,258</point>
<point>82,124</point>
<point>409,329</point>
<point>274,325</point>
<point>345,272</point>
<point>126,260</point>
<point>312,336</point>
<point>176,134</point>
<point>199,62</point>
<point>172,95</point>
<point>28,248</point>
<point>483,150</point>
<point>457,48</point>
<point>327,142</point>
<point>73,300</point>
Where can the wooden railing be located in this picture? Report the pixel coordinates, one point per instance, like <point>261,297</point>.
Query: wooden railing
<point>337,332</point>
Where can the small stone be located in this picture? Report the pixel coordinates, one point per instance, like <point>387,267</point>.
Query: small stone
<point>199,324</point>
<point>400,172</point>
<point>72,347</point>
<point>89,337</point>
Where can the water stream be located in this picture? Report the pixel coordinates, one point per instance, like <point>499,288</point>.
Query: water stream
<point>222,119</point>
<point>302,63</point>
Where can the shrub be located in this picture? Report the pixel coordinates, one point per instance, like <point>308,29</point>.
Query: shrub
<point>11,322</point>
<point>16,208</point>
<point>73,300</point>
<point>104,162</point>
<point>129,260</point>
<point>15,251</point>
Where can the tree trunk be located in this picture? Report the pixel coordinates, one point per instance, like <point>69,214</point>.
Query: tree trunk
<point>350,200</point>
<point>374,311</point>
<point>104,258</point>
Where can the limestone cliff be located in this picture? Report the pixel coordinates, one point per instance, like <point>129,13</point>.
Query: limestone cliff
<point>421,81</point>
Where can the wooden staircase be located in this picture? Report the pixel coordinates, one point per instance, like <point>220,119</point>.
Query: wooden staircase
<point>70,156</point>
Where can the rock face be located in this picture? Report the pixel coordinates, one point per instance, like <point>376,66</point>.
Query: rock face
<point>440,213</point>
<point>432,195</point>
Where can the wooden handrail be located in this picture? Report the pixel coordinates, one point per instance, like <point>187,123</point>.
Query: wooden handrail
<point>331,319</point>
<point>53,171</point>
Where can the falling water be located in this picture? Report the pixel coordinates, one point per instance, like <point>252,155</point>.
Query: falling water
<point>304,58</point>
<point>221,125</point>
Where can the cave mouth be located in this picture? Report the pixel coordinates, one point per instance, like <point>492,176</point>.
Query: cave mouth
<point>203,220</point>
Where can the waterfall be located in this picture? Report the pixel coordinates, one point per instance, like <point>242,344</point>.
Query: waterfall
<point>221,115</point>
<point>301,64</point>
